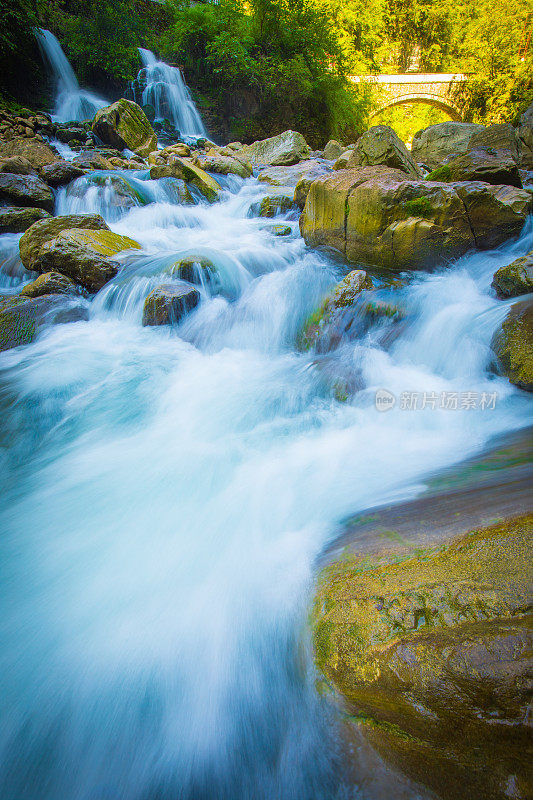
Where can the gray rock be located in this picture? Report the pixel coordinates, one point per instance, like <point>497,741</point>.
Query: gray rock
<point>169,303</point>
<point>25,190</point>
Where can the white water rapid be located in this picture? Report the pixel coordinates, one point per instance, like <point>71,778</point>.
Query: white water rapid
<point>165,89</point>
<point>71,102</point>
<point>167,491</point>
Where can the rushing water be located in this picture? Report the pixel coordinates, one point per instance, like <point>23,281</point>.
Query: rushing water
<point>71,102</point>
<point>165,89</point>
<point>166,493</point>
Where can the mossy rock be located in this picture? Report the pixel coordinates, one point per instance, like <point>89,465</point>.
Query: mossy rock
<point>516,278</point>
<point>194,269</point>
<point>124,124</point>
<point>18,220</point>
<point>281,230</point>
<point>27,191</point>
<point>21,318</point>
<point>168,303</point>
<point>425,645</point>
<point>273,205</point>
<point>184,169</point>
<point>48,283</point>
<point>45,230</point>
<point>513,344</point>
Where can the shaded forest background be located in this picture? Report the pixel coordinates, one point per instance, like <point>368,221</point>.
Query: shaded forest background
<point>261,66</point>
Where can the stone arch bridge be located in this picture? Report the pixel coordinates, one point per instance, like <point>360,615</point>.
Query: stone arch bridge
<point>436,89</point>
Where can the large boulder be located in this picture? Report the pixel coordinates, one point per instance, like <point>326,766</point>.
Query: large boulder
<point>431,654</point>
<point>35,151</point>
<point>515,278</point>
<point>21,318</point>
<point>498,137</point>
<point>374,217</point>
<point>381,146</point>
<point>18,220</point>
<point>289,176</point>
<point>124,124</point>
<point>304,184</point>
<point>185,169</point>
<point>60,172</point>
<point>169,303</point>
<point>48,283</point>
<point>333,150</point>
<point>481,164</point>
<point>16,165</point>
<point>32,242</point>
<point>224,165</point>
<point>25,190</point>
<point>432,146</point>
<point>525,138</point>
<point>513,345</point>
<point>83,255</point>
<point>281,150</point>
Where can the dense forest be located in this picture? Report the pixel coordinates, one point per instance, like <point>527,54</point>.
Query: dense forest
<point>261,66</point>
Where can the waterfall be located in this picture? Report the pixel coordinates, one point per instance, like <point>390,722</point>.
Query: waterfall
<point>165,89</point>
<point>71,102</point>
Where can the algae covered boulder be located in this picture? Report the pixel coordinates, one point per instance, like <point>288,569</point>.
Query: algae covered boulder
<point>22,318</point>
<point>381,145</point>
<point>284,149</point>
<point>513,345</point>
<point>185,169</point>
<point>169,303</point>
<point>83,255</point>
<point>516,278</point>
<point>225,165</point>
<point>124,124</point>
<point>18,220</point>
<point>481,164</point>
<point>34,150</point>
<point>48,283</point>
<point>25,190</point>
<point>273,205</point>
<point>432,654</point>
<point>433,145</point>
<point>44,230</point>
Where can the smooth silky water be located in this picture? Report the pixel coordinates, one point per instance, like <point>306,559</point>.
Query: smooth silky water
<point>166,493</point>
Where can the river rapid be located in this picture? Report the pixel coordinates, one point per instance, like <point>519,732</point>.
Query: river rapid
<point>166,493</point>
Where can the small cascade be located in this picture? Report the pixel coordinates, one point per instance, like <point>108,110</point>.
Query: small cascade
<point>162,86</point>
<point>71,102</point>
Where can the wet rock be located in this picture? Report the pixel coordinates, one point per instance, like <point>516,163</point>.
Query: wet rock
<point>375,218</point>
<point>304,184</point>
<point>124,124</point>
<point>178,191</point>
<point>32,242</point>
<point>16,165</point>
<point>91,159</point>
<point>438,641</point>
<point>225,165</point>
<point>315,331</point>
<point>281,230</point>
<point>433,145</point>
<point>60,172</point>
<point>516,278</point>
<point>48,283</point>
<point>284,149</point>
<point>333,150</point>
<point>273,205</point>
<point>85,256</point>
<point>194,269</point>
<point>25,190</point>
<point>18,220</point>
<point>497,137</point>
<point>184,169</point>
<point>480,164</point>
<point>169,303</point>
<point>22,318</point>
<point>513,345</point>
<point>342,160</point>
<point>35,151</point>
<point>381,146</point>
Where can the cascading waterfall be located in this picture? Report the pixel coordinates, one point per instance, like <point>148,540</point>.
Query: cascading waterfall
<point>167,491</point>
<point>71,103</point>
<point>165,89</point>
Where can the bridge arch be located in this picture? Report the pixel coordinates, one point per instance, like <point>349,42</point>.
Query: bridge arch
<point>428,99</point>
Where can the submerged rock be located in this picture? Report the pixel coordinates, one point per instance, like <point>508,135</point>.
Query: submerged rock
<point>273,205</point>
<point>169,303</point>
<point>433,145</point>
<point>22,318</point>
<point>124,124</point>
<point>513,345</point>
<point>45,230</point>
<point>438,642</point>
<point>381,146</point>
<point>48,283</point>
<point>84,256</point>
<point>516,278</point>
<point>25,190</point>
<point>284,149</point>
<point>18,220</point>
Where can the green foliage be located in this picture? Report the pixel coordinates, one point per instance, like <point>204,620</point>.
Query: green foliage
<point>420,207</point>
<point>18,49</point>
